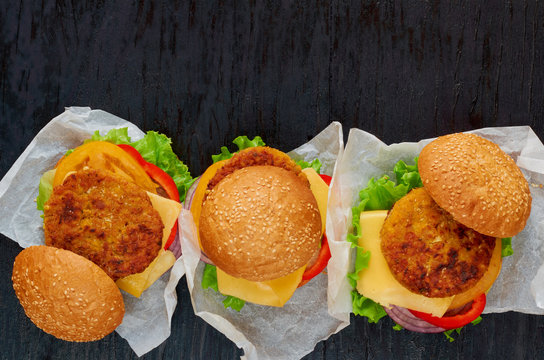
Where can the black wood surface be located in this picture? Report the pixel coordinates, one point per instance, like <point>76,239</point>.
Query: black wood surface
<point>206,72</point>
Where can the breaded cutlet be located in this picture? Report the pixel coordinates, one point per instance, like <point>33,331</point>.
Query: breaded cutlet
<point>106,219</point>
<point>254,156</point>
<point>428,251</point>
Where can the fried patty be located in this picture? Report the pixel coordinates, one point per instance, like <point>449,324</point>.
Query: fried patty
<point>428,251</point>
<point>254,156</point>
<point>106,219</point>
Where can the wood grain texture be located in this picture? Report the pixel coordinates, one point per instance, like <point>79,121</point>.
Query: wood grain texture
<point>206,72</point>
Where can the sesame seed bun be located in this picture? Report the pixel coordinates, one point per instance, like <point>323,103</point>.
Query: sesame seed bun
<point>66,295</point>
<point>477,183</point>
<point>260,223</point>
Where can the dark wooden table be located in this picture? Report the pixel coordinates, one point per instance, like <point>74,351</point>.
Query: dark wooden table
<point>206,72</point>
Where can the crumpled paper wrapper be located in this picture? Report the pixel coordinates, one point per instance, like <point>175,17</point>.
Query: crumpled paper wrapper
<point>265,332</point>
<point>147,320</point>
<point>365,157</point>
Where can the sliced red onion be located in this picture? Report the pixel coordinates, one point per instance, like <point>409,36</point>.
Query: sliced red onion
<point>187,206</point>
<point>205,259</point>
<point>175,247</point>
<point>190,194</point>
<point>407,320</point>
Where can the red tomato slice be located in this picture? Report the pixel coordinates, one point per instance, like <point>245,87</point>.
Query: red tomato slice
<point>133,152</point>
<point>320,264</point>
<point>324,253</point>
<point>172,236</point>
<point>105,156</point>
<point>326,178</point>
<point>162,178</point>
<point>155,172</point>
<point>458,320</point>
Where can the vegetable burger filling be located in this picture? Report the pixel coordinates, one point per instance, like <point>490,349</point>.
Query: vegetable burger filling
<point>428,251</point>
<point>106,219</point>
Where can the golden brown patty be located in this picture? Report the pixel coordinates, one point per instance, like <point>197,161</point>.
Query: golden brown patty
<point>428,251</point>
<point>260,223</point>
<point>255,156</point>
<point>106,219</point>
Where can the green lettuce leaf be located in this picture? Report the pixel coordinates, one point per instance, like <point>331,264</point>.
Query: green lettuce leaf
<point>234,303</point>
<point>242,142</point>
<point>379,194</point>
<point>476,321</point>
<point>209,281</point>
<point>507,247</point>
<point>116,136</point>
<point>448,333</point>
<point>315,164</point>
<point>361,262</point>
<point>408,174</point>
<point>209,278</point>
<point>364,306</point>
<point>45,188</point>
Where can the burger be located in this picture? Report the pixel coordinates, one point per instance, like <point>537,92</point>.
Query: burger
<point>430,246</point>
<point>112,204</point>
<point>260,220</point>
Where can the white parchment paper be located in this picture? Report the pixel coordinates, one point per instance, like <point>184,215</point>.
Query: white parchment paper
<point>365,156</point>
<point>265,332</point>
<point>147,320</point>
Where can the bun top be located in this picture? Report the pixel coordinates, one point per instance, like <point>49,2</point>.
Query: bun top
<point>66,295</point>
<point>260,223</point>
<point>476,182</point>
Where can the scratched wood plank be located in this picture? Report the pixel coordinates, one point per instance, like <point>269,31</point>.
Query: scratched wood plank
<point>204,73</point>
<point>427,68</point>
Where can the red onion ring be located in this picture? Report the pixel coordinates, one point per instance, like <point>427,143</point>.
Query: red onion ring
<point>205,259</point>
<point>407,320</point>
<point>187,206</point>
<point>190,194</point>
<point>175,247</point>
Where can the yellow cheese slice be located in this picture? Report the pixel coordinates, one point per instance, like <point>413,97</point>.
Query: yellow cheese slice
<point>320,189</point>
<point>168,210</point>
<point>135,284</point>
<point>378,283</point>
<point>200,191</point>
<point>272,292</point>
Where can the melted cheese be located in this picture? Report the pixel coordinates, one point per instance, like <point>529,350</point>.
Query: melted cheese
<point>320,189</point>
<point>200,191</point>
<point>168,210</point>
<point>136,284</point>
<point>272,292</point>
<point>378,283</point>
